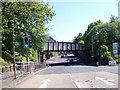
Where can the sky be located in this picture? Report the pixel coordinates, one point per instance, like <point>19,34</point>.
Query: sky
<point>73,18</point>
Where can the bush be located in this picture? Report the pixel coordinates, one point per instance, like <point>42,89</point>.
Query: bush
<point>106,53</point>
<point>3,62</point>
<point>110,58</point>
<point>117,61</point>
<point>104,48</point>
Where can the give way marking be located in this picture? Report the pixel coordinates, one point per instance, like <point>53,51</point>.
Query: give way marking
<point>105,80</point>
<point>44,85</point>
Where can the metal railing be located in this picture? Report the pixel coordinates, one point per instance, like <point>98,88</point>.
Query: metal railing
<point>8,72</point>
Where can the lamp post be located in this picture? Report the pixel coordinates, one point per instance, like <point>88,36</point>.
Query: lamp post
<point>14,62</point>
<point>99,49</point>
<point>92,50</point>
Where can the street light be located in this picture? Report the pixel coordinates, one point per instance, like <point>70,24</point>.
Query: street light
<point>14,62</point>
<point>92,50</point>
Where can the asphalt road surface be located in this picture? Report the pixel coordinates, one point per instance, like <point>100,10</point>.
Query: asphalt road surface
<point>74,76</point>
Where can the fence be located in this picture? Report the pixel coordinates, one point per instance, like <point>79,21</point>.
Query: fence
<point>20,70</point>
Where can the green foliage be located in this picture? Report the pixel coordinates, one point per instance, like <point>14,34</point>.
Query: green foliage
<point>30,17</point>
<point>4,63</point>
<point>32,55</point>
<point>20,58</point>
<point>102,34</point>
<point>7,57</point>
<point>78,39</point>
<point>25,17</point>
<point>113,18</point>
<point>104,48</point>
<point>81,41</point>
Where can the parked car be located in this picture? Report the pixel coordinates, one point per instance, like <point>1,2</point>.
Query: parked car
<point>62,56</point>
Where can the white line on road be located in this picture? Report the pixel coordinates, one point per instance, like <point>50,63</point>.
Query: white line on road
<point>44,85</point>
<point>105,81</point>
<point>77,84</point>
<point>24,79</point>
<point>70,75</point>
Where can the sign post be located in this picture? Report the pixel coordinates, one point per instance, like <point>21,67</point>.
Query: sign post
<point>115,53</point>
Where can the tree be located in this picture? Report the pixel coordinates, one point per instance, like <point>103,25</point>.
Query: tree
<point>99,34</point>
<point>113,18</point>
<point>105,52</point>
<point>78,39</point>
<point>90,38</point>
<point>30,17</point>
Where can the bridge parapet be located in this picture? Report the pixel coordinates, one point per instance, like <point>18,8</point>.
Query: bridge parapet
<point>63,46</point>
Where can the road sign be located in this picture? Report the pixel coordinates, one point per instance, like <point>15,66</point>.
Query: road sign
<point>115,48</point>
<point>115,52</point>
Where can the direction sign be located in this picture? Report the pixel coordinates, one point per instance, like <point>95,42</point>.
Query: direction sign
<point>115,48</point>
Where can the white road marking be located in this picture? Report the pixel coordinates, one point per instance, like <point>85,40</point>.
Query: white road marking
<point>70,75</point>
<point>77,84</point>
<point>105,81</point>
<point>109,80</point>
<point>44,85</point>
<point>24,79</point>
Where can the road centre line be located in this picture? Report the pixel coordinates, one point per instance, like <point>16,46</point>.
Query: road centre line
<point>77,84</point>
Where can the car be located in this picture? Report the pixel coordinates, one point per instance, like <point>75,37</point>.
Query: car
<point>62,56</point>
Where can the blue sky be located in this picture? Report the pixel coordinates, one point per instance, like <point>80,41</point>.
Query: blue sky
<point>73,17</point>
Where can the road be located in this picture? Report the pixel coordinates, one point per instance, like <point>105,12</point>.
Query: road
<point>75,76</point>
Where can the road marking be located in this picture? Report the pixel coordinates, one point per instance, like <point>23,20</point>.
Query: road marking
<point>31,75</point>
<point>70,75</point>
<point>77,84</point>
<point>44,85</point>
<point>105,81</point>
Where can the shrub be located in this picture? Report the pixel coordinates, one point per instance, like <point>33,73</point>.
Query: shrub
<point>3,63</point>
<point>106,53</point>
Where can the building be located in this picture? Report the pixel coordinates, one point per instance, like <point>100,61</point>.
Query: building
<point>50,39</point>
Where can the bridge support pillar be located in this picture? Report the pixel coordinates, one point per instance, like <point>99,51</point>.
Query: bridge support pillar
<point>39,57</point>
<point>41,60</point>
